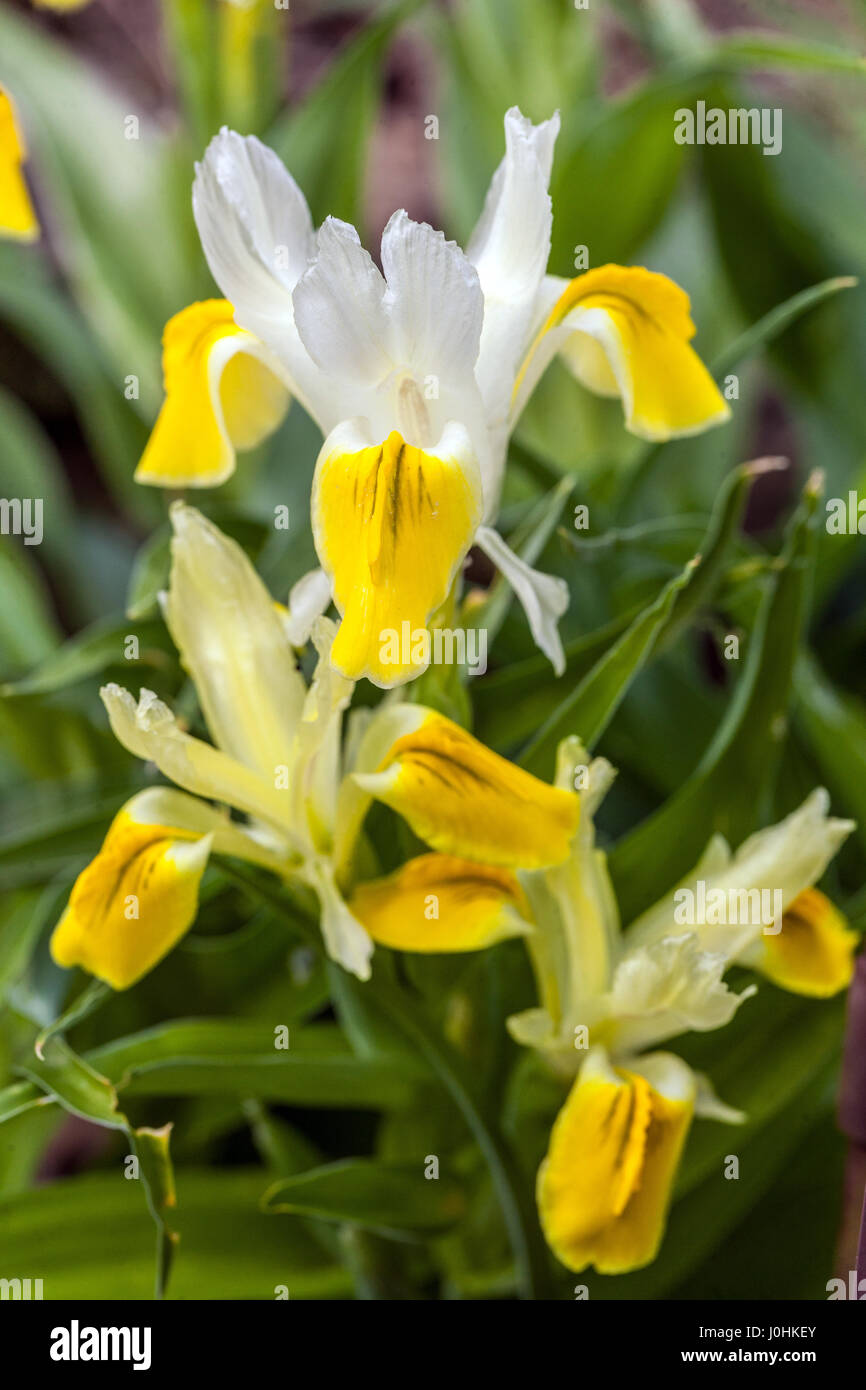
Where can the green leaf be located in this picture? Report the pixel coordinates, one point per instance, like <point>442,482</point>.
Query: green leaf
<point>227,1057</point>
<point>69,1079</point>
<point>729,791</point>
<point>93,1238</point>
<point>774,323</point>
<point>833,724</point>
<point>110,200</point>
<point>751,49</point>
<point>592,704</point>
<point>94,650</point>
<point>626,145</point>
<point>324,142</point>
<point>391,1199</point>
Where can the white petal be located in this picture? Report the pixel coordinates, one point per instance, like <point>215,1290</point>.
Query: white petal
<point>256,233</point>
<point>511,243</point>
<point>168,807</point>
<point>434,300</point>
<point>150,731</point>
<point>544,597</point>
<point>785,859</point>
<point>346,941</point>
<point>669,987</point>
<point>510,248</point>
<point>231,640</point>
<point>710,1107</point>
<point>308,600</point>
<point>339,309</point>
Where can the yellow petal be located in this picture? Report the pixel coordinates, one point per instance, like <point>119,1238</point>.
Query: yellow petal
<point>813,954</point>
<point>221,393</point>
<point>439,903</point>
<point>134,901</point>
<point>17,218</point>
<point>392,524</point>
<point>60,4</point>
<point>463,799</point>
<point>631,337</point>
<point>604,1188</point>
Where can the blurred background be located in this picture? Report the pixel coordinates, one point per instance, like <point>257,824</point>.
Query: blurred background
<point>345,94</point>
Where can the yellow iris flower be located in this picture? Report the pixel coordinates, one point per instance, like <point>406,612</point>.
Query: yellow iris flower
<point>609,998</point>
<point>277,761</point>
<point>416,375</point>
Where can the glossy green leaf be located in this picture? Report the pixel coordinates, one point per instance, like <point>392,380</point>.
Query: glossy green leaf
<point>379,1197</point>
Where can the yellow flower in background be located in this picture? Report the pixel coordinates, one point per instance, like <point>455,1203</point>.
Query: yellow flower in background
<point>277,761</point>
<point>417,374</point>
<point>609,998</point>
<point>17,218</point>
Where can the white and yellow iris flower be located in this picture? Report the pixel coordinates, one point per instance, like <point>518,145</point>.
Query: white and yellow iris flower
<point>277,762</point>
<point>416,375</point>
<point>18,221</point>
<point>610,999</point>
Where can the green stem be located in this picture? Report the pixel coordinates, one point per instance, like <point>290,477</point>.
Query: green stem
<point>530,1254</point>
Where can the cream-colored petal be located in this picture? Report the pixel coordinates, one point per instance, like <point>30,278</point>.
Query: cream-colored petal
<point>233,644</point>
<point>150,731</point>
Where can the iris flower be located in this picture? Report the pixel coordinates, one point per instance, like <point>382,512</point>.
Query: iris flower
<point>277,761</point>
<point>610,998</point>
<point>416,375</point>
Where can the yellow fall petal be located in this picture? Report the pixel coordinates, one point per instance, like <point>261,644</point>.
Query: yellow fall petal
<point>464,799</point>
<point>392,524</point>
<point>133,902</point>
<point>813,954</point>
<point>604,1188</point>
<point>632,330</point>
<point>17,218</point>
<point>221,394</point>
<point>439,903</point>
